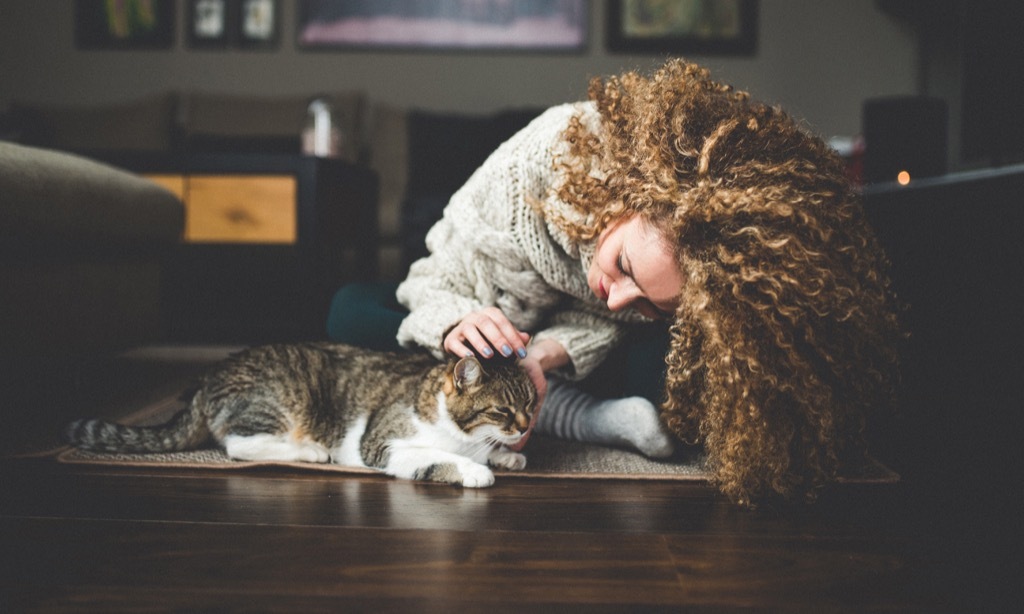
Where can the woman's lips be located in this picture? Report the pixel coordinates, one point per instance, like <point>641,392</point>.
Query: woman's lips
<point>602,293</point>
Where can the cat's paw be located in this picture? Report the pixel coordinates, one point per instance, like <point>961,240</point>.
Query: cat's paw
<point>503,458</point>
<point>313,453</point>
<point>462,472</point>
<point>476,476</point>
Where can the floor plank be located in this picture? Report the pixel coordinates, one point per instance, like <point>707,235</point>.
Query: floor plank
<point>100,560</point>
<point>283,497</point>
<point>107,539</point>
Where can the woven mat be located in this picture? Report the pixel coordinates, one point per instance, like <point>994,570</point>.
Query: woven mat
<point>547,457</point>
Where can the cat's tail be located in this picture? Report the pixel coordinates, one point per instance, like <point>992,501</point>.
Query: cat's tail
<point>187,430</point>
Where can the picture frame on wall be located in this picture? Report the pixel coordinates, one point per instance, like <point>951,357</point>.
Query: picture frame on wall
<point>219,24</point>
<point>209,23</point>
<point>440,25</point>
<point>259,24</point>
<point>126,25</point>
<point>683,27</point>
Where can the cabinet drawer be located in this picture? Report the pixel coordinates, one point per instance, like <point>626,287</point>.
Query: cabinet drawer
<point>241,209</point>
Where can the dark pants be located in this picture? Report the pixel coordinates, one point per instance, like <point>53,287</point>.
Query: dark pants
<point>368,315</point>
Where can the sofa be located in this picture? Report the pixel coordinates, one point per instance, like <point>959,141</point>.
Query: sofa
<point>420,157</point>
<point>81,250</point>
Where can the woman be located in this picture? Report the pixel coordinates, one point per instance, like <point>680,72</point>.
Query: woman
<point>673,198</point>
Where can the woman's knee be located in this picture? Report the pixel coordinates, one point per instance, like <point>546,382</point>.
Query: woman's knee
<point>365,315</point>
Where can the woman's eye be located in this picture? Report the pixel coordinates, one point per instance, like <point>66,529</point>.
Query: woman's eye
<point>618,264</point>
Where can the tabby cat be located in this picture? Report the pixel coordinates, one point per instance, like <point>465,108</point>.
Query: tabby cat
<point>407,415</point>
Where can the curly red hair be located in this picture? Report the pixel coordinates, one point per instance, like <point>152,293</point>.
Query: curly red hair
<point>785,336</point>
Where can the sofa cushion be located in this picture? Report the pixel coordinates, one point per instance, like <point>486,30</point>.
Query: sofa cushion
<point>146,124</point>
<point>54,200</point>
<point>229,122</point>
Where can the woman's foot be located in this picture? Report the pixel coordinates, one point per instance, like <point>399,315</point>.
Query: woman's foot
<point>631,422</point>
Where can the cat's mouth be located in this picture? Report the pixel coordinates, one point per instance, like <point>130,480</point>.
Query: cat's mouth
<point>496,437</point>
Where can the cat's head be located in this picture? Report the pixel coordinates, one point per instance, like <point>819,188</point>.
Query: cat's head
<point>490,399</point>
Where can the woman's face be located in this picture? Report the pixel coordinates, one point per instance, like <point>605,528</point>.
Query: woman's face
<point>634,267</point>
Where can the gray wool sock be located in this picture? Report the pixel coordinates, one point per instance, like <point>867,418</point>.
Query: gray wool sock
<point>632,422</point>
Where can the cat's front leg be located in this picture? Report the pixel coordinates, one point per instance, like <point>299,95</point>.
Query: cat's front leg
<point>429,465</point>
<point>504,458</point>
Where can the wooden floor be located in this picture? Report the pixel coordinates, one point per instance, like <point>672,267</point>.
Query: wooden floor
<point>76,538</point>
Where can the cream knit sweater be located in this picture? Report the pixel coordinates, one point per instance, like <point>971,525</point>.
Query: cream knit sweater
<point>491,248</point>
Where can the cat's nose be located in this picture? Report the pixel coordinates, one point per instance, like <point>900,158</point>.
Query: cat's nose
<point>522,422</point>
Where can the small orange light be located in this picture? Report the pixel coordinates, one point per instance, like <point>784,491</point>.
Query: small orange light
<point>903,178</point>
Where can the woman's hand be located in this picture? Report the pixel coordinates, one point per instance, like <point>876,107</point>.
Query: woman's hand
<point>542,356</point>
<point>532,367</point>
<point>486,331</point>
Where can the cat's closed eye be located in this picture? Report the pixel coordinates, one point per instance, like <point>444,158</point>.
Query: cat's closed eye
<point>500,414</point>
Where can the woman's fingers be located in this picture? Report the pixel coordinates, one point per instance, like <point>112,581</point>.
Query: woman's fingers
<point>456,347</point>
<point>499,332</point>
<point>487,331</point>
<point>475,336</point>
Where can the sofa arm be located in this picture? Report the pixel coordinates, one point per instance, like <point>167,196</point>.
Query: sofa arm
<point>54,200</point>
<point>81,248</point>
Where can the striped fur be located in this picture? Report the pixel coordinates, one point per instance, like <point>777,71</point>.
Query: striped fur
<point>404,414</point>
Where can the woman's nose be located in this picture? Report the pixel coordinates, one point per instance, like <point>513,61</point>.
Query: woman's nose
<point>620,295</point>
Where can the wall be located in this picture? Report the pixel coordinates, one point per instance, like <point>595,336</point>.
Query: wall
<point>818,59</point>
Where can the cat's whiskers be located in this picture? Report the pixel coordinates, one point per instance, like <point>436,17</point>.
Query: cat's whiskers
<point>481,446</point>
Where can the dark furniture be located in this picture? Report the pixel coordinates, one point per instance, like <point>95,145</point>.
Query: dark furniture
<point>955,245</point>
<point>441,159</point>
<point>223,286</point>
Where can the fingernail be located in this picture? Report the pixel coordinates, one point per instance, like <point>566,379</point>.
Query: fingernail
<point>487,352</point>
<point>506,351</point>
<point>522,352</point>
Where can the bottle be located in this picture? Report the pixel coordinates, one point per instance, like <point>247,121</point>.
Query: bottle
<point>321,136</point>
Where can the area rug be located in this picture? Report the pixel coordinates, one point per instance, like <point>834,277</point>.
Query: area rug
<point>546,458</point>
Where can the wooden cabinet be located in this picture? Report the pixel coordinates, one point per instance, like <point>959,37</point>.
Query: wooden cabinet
<point>236,208</point>
<point>241,209</point>
<point>268,239</point>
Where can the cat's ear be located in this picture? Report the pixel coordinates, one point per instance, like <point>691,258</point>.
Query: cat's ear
<point>467,372</point>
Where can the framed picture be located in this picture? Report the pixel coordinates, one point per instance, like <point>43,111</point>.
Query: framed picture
<point>252,24</point>
<point>501,25</point>
<point>258,23</point>
<point>697,27</point>
<point>209,23</point>
<point>129,24</point>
